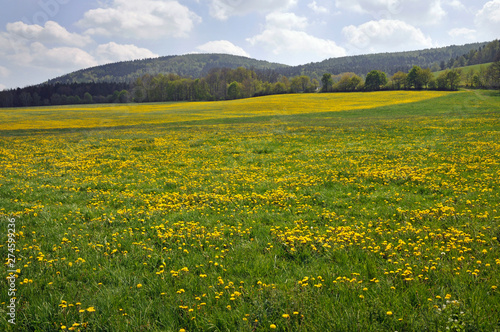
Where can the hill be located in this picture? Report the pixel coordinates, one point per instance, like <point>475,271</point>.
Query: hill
<point>467,69</point>
<point>189,65</point>
<point>198,65</point>
<point>389,63</point>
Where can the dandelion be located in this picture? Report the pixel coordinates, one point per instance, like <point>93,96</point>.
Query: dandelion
<point>272,326</point>
<point>389,313</point>
<point>139,285</point>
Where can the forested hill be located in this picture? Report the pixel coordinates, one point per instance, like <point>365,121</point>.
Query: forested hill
<point>389,63</point>
<point>199,65</point>
<point>189,65</point>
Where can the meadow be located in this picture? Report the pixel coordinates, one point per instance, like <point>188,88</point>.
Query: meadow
<point>308,212</point>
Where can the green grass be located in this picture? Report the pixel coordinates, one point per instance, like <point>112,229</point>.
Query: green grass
<point>371,219</point>
<point>466,70</point>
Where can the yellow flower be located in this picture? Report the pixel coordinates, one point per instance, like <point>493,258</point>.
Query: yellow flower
<point>139,285</point>
<point>285,316</point>
<point>272,326</point>
<point>63,327</point>
<point>389,313</point>
<point>90,309</point>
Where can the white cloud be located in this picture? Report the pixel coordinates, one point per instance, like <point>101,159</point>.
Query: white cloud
<point>286,21</point>
<point>10,43</point>
<point>50,46</point>
<point>146,19</point>
<point>60,57</point>
<point>456,4</point>
<point>293,46</point>
<point>386,36</point>
<point>2,87</point>
<point>463,33</point>
<point>223,9</point>
<point>317,9</point>
<point>4,72</point>
<point>51,33</point>
<point>113,52</point>
<point>222,46</point>
<point>417,12</point>
<point>488,20</point>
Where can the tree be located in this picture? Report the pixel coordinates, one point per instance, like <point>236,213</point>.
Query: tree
<point>375,80</point>
<point>123,96</point>
<point>348,82</point>
<point>449,80</point>
<point>327,82</point>
<point>56,99</point>
<point>295,85</point>
<point>37,100</point>
<point>314,85</point>
<point>87,98</point>
<point>279,88</point>
<point>432,84</point>
<point>25,99</point>
<point>442,65</point>
<point>413,78</point>
<point>493,75</point>
<point>424,76</point>
<point>435,67</point>
<point>442,81</point>
<point>476,81</point>
<point>399,80</point>
<point>305,81</point>
<point>234,90</point>
<point>453,77</point>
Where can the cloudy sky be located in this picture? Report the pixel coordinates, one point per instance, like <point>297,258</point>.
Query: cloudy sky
<point>43,39</point>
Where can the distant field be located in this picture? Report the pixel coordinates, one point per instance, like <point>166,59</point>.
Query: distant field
<point>466,70</point>
<point>116,115</point>
<point>310,212</point>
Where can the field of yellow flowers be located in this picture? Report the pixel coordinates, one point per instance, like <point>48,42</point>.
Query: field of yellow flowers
<point>327,212</point>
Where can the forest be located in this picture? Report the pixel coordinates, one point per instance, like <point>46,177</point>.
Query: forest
<point>240,82</point>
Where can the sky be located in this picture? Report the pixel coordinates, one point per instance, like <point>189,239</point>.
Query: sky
<point>44,39</point>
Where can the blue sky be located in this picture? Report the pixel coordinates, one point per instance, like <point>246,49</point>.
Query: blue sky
<point>43,39</point>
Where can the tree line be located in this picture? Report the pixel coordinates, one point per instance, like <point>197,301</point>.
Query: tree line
<point>484,54</point>
<point>228,84</point>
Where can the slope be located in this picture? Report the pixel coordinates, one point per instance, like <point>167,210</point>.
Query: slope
<point>189,65</point>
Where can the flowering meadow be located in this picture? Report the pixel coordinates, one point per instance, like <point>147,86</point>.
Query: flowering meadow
<point>307,212</point>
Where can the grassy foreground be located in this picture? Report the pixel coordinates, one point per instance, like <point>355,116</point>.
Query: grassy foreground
<point>331,212</point>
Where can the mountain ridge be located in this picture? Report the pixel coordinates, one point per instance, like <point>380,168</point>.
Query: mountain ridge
<point>187,65</point>
<point>198,65</point>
